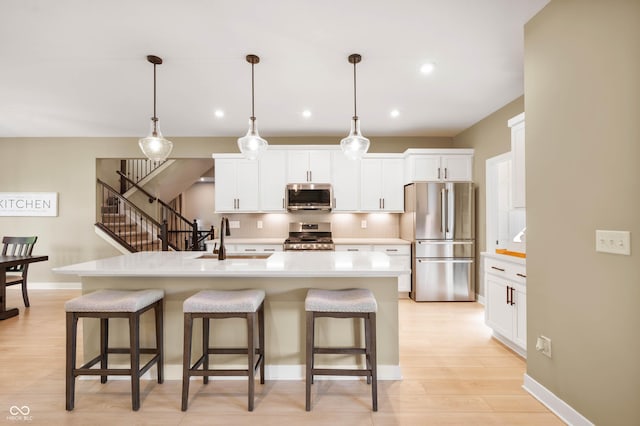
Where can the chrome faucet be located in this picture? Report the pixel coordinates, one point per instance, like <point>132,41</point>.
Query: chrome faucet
<point>224,230</point>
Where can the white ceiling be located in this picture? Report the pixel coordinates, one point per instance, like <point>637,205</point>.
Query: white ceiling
<point>78,67</point>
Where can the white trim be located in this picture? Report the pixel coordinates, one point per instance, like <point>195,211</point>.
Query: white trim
<point>272,372</point>
<point>110,240</point>
<point>51,286</point>
<point>480,299</point>
<point>560,408</point>
<point>510,344</point>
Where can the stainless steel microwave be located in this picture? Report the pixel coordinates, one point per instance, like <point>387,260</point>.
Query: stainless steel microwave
<point>309,196</point>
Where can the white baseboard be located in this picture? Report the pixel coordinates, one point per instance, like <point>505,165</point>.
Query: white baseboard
<point>51,286</point>
<point>553,403</point>
<point>480,299</point>
<point>271,372</point>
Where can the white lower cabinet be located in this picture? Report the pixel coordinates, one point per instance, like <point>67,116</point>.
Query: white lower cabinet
<point>506,302</point>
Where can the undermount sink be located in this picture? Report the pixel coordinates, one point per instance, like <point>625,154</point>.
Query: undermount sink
<point>234,256</point>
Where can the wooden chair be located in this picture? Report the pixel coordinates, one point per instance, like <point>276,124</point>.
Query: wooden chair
<point>18,246</point>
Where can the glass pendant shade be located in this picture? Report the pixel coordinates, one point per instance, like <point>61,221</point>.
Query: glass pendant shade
<point>252,145</point>
<point>355,145</point>
<point>154,146</point>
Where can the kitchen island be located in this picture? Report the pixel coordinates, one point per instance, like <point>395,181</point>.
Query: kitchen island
<point>285,277</point>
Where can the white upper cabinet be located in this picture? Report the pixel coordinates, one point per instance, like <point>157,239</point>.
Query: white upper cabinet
<point>236,185</point>
<point>518,194</point>
<point>346,183</point>
<point>273,179</point>
<point>309,166</point>
<point>381,185</point>
<point>427,165</point>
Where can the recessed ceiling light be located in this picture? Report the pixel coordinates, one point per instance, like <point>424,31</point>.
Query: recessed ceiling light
<point>427,68</point>
<point>219,113</point>
<point>306,113</point>
<point>394,113</point>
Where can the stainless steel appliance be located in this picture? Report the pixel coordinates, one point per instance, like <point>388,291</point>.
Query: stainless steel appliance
<point>439,219</point>
<point>309,196</point>
<point>309,236</point>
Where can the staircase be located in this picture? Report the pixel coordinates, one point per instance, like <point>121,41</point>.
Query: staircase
<point>137,238</point>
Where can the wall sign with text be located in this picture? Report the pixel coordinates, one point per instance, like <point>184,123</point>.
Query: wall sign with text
<point>28,204</point>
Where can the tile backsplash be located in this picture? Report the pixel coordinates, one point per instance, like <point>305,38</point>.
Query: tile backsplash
<point>343,225</point>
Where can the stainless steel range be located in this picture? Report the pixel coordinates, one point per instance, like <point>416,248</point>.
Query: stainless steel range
<point>309,236</point>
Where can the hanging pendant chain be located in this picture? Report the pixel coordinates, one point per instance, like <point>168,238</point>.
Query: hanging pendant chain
<point>253,118</point>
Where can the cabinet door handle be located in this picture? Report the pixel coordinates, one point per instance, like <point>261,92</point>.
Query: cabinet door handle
<point>512,302</point>
<point>353,249</point>
<point>249,249</point>
<point>383,203</point>
<point>522,275</point>
<point>508,301</point>
<point>445,172</point>
<point>438,172</point>
<point>269,249</point>
<point>283,203</point>
<point>238,203</point>
<point>497,269</point>
<point>310,175</point>
<point>391,250</point>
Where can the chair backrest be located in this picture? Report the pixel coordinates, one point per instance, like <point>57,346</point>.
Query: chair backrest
<point>18,246</point>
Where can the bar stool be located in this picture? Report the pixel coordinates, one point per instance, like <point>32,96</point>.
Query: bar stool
<point>353,303</point>
<point>217,304</point>
<point>106,304</point>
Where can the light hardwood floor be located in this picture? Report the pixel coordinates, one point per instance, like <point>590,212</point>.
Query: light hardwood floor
<point>454,374</point>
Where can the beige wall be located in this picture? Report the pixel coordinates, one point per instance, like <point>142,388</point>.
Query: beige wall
<point>489,137</point>
<point>68,166</point>
<point>582,100</point>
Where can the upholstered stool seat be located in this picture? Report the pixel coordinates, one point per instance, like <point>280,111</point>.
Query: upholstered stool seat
<point>106,304</point>
<point>349,303</point>
<point>219,304</point>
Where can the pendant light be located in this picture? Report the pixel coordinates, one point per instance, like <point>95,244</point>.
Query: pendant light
<point>355,145</point>
<point>154,146</point>
<point>252,145</point>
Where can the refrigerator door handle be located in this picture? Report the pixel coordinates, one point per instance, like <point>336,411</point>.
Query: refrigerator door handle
<point>442,210</point>
<point>446,210</point>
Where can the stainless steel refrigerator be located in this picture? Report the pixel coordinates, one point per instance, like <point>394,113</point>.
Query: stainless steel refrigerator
<point>439,219</point>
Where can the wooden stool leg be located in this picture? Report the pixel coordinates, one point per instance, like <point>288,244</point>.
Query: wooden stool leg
<point>134,345</point>
<point>186,359</point>
<point>309,359</point>
<point>159,312</point>
<point>261,341</point>
<point>72,326</point>
<point>251,355</point>
<point>373,360</point>
<point>205,347</point>
<point>104,346</point>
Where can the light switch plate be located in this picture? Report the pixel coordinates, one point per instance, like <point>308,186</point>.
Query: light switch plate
<point>616,242</point>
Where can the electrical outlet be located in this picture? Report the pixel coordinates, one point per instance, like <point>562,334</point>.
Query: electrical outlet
<point>616,242</point>
<point>259,224</point>
<point>363,224</point>
<point>234,224</point>
<point>543,345</point>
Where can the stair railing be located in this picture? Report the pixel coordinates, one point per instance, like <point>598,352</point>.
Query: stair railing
<point>181,232</point>
<point>126,223</point>
<point>136,170</point>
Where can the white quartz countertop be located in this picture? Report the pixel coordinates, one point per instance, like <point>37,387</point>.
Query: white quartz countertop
<point>505,257</point>
<point>371,241</point>
<point>279,264</point>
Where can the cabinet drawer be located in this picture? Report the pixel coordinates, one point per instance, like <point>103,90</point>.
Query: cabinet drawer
<point>394,250</point>
<point>256,248</point>
<point>506,270</point>
<point>353,247</point>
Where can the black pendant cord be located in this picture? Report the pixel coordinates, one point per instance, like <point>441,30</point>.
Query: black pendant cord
<point>155,117</point>
<point>253,115</point>
<point>355,110</point>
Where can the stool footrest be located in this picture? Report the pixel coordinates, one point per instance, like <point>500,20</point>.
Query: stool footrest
<point>193,371</point>
<point>340,351</point>
<point>230,351</point>
<point>339,372</point>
